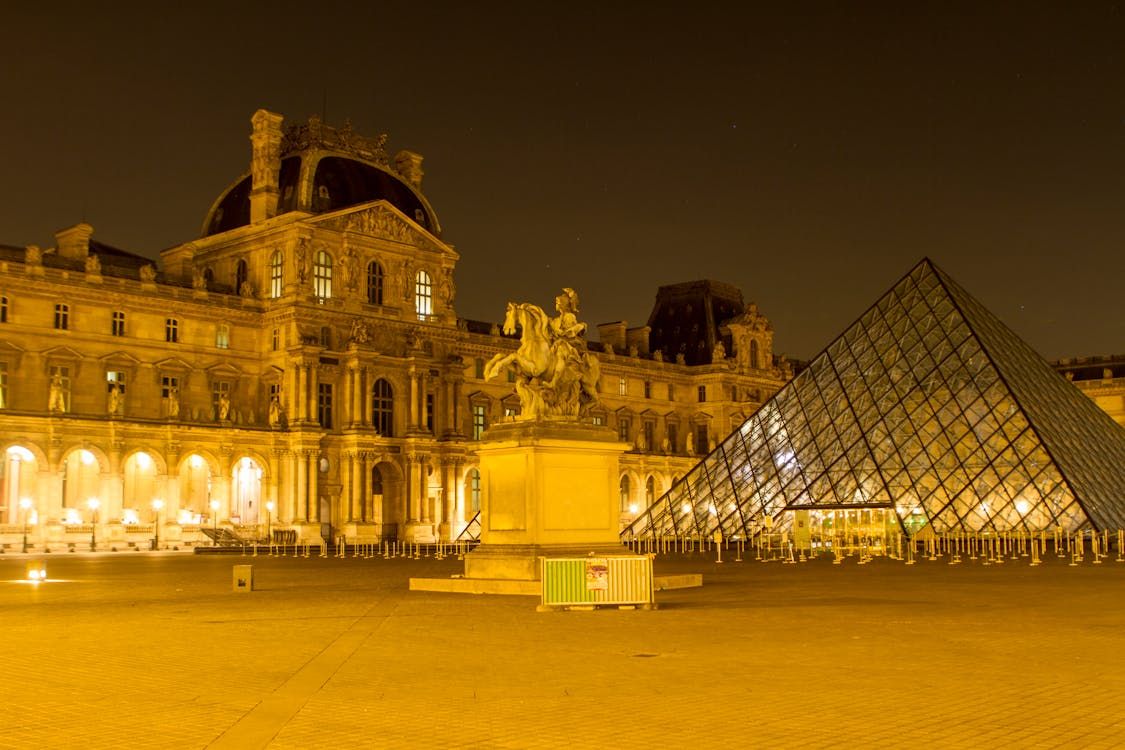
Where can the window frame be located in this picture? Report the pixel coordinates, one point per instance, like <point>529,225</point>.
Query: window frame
<point>423,295</point>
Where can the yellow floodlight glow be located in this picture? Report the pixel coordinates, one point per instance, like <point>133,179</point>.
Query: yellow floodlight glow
<point>86,457</point>
<point>21,453</point>
<point>196,461</point>
<point>1022,506</point>
<point>93,503</point>
<point>633,508</point>
<point>25,503</point>
<point>143,460</point>
<point>157,505</point>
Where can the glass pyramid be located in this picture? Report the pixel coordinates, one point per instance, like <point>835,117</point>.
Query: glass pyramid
<point>927,406</point>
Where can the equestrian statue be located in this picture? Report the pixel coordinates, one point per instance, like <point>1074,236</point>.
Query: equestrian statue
<point>555,375</point>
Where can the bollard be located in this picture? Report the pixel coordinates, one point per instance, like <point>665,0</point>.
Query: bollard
<point>1034,552</point>
<point>910,551</point>
<point>1120,544</point>
<point>1075,552</point>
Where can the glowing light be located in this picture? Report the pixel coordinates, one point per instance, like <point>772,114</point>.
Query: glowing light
<point>20,453</point>
<point>270,506</point>
<point>129,517</point>
<point>633,508</point>
<point>158,505</point>
<point>1022,506</point>
<point>72,517</point>
<point>36,572</point>
<point>143,460</point>
<point>214,505</point>
<point>93,503</point>
<point>685,508</point>
<point>25,503</point>
<point>196,461</point>
<point>712,510</point>
<point>86,457</point>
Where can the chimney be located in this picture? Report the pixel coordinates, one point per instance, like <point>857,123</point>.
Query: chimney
<point>613,334</point>
<point>638,337</point>
<point>74,242</point>
<point>265,163</point>
<point>409,165</point>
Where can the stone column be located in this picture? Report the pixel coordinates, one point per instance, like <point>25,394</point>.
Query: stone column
<point>366,513</point>
<point>357,397</point>
<point>423,391</point>
<point>301,512</point>
<point>300,401</point>
<point>313,381</point>
<point>275,481</point>
<point>413,400</point>
<point>368,401</point>
<point>314,493</point>
<point>355,504</point>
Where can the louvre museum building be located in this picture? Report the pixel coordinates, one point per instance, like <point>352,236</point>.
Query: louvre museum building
<point>301,367</point>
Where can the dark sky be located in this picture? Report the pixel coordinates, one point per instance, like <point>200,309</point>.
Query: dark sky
<point>808,154</point>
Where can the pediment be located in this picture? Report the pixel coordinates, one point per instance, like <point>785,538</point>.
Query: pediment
<point>173,364</point>
<point>479,396</point>
<point>382,220</point>
<point>120,358</point>
<point>11,352</point>
<point>224,369</point>
<point>62,352</point>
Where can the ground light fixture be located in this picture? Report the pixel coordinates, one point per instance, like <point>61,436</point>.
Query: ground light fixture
<point>93,504</point>
<point>269,518</point>
<point>215,522</point>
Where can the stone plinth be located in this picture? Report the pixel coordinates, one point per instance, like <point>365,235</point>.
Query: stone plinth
<point>547,488</point>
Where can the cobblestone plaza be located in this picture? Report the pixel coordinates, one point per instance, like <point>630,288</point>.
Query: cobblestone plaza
<point>155,650</point>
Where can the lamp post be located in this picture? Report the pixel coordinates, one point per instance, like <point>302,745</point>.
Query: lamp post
<point>215,522</point>
<point>157,505</point>
<point>25,505</point>
<point>269,519</point>
<point>93,504</point>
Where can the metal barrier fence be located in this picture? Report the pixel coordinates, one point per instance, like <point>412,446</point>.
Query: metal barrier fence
<point>989,548</point>
<point>367,550</point>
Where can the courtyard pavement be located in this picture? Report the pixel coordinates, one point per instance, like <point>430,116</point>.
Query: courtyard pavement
<point>155,650</point>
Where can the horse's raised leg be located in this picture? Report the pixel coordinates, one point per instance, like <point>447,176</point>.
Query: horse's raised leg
<point>497,364</point>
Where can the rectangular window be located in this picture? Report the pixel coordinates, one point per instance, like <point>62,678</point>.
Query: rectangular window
<point>671,392</point>
<point>599,419</point>
<point>623,429</point>
<point>648,389</point>
<point>275,340</point>
<point>478,421</point>
<point>478,368</point>
<point>701,439</point>
<point>222,336</point>
<point>3,309</point>
<point>220,392</point>
<point>324,405</point>
<point>474,492</point>
<point>672,436</point>
<point>622,387</point>
<point>115,377</point>
<point>169,386</point>
<point>59,394</point>
<point>171,330</point>
<point>326,337</point>
<point>650,435</point>
<point>430,412</point>
<point>118,327</point>
<point>3,385</point>
<point>702,393</point>
<point>62,317</point>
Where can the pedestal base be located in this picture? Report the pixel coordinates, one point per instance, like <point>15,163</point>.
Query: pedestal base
<point>521,561</point>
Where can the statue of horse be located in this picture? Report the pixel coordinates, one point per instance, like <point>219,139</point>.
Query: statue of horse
<point>555,377</point>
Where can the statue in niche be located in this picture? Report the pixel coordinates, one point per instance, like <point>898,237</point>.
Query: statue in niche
<point>302,256</point>
<point>690,443</point>
<point>246,290</point>
<point>56,398</point>
<point>360,333</point>
<point>555,374</point>
<point>641,443</point>
<point>658,355</point>
<point>224,407</point>
<point>172,403</point>
<point>277,411</point>
<point>148,273</point>
<point>448,290</point>
<point>348,277</point>
<point>93,265</point>
<point>666,445</point>
<point>198,280</point>
<point>113,402</point>
<point>680,359</point>
<point>407,279</point>
<point>33,256</point>
<point>719,353</point>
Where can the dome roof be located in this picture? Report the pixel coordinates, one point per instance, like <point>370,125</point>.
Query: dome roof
<point>323,169</point>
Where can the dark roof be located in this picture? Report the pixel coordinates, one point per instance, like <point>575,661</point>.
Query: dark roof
<point>685,319</point>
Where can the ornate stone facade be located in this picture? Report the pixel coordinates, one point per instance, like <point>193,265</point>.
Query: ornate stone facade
<point>301,367</point>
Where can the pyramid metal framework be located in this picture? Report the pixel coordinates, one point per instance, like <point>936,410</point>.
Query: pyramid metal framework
<point>927,405</point>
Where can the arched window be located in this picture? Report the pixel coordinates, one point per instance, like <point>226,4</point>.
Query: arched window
<point>383,408</point>
<point>754,353</point>
<point>374,283</point>
<point>423,296</point>
<point>650,491</point>
<point>322,275</point>
<point>376,481</point>
<point>276,278</point>
<point>624,487</point>
<point>240,275</point>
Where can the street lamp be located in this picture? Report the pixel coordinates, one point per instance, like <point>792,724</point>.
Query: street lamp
<point>93,504</point>
<point>269,519</point>
<point>25,504</point>
<point>215,522</point>
<point>157,505</point>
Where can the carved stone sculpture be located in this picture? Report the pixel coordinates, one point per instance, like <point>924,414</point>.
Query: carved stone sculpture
<point>277,411</point>
<point>360,333</point>
<point>33,256</point>
<point>113,402</point>
<point>555,374</point>
<point>224,407</point>
<point>246,290</point>
<point>448,290</point>
<point>172,403</point>
<point>690,447</point>
<point>198,280</point>
<point>56,398</point>
<point>93,265</point>
<point>148,273</point>
<point>302,257</point>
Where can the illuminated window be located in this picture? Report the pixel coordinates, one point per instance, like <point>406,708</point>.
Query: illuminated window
<point>169,386</point>
<point>474,491</point>
<point>479,420</point>
<point>622,387</point>
<point>430,412</point>
<point>423,296</point>
<point>240,275</point>
<point>374,283</point>
<point>324,405</point>
<point>3,385</point>
<point>650,435</point>
<point>222,336</point>
<point>3,309</point>
<point>510,411</point>
<point>623,487</point>
<point>650,491</point>
<point>62,317</point>
<point>171,330</point>
<point>276,277</point>
<point>322,276</point>
<point>383,408</point>
<point>599,419</point>
<point>275,339</point>
<point>112,378</point>
<point>219,390</point>
<point>118,325</point>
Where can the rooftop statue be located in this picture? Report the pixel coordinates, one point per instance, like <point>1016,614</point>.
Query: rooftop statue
<point>555,374</point>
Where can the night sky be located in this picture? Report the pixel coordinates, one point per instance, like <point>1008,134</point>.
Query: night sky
<point>808,155</point>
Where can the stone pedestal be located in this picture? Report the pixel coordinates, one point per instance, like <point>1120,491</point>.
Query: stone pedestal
<point>547,488</point>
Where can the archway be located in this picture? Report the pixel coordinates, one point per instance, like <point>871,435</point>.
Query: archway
<point>387,506</point>
<point>140,472</point>
<point>17,482</point>
<point>81,485</point>
<point>195,490</point>
<point>246,491</point>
